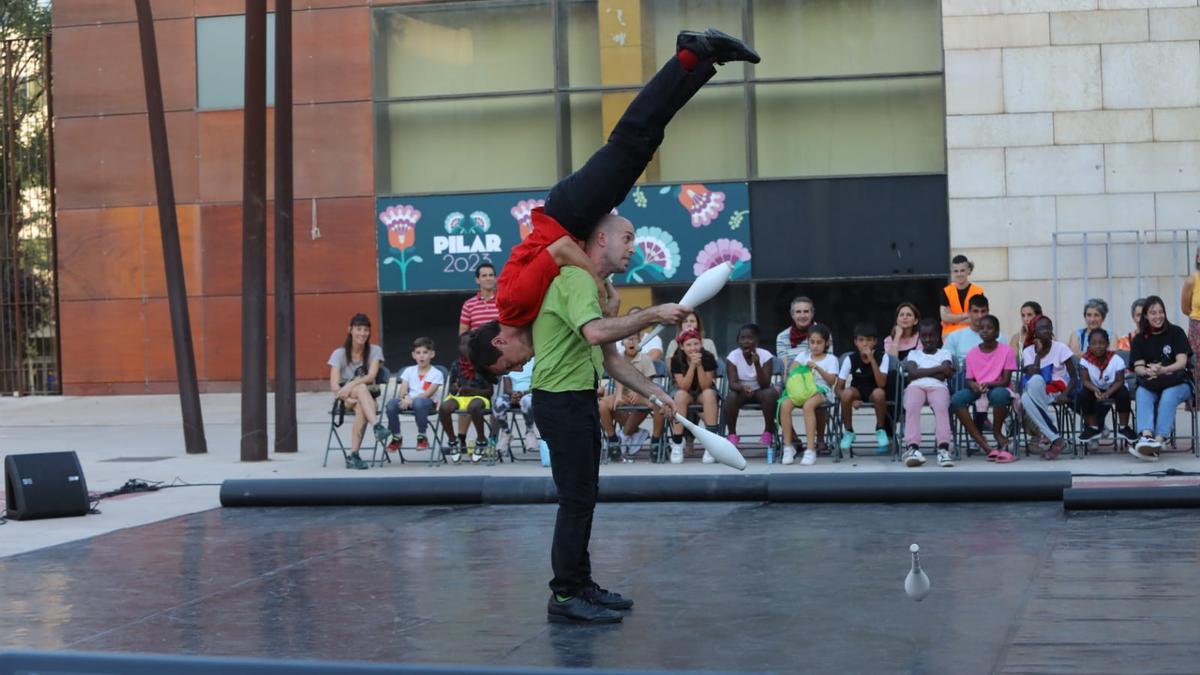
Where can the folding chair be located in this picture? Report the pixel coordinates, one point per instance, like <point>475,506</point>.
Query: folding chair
<point>694,411</point>
<point>659,378</point>
<point>515,421</point>
<point>771,451</point>
<point>337,417</point>
<point>442,436</point>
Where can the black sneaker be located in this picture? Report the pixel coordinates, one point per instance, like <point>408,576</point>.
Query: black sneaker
<point>354,461</point>
<point>452,452</point>
<point>715,45</point>
<point>578,609</point>
<point>1089,433</point>
<point>382,435</point>
<point>1128,434</point>
<point>607,598</point>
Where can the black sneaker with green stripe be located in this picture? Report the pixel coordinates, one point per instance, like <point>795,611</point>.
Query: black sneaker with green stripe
<point>578,609</point>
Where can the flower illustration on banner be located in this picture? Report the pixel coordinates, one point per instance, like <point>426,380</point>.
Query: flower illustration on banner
<point>735,218</point>
<point>523,213</point>
<point>401,223</point>
<point>703,204</point>
<point>655,256</point>
<point>722,250</point>
<point>639,197</point>
<point>477,223</point>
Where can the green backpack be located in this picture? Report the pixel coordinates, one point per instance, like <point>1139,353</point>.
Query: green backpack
<point>800,384</point>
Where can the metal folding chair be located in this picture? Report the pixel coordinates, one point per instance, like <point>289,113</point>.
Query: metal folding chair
<point>337,417</point>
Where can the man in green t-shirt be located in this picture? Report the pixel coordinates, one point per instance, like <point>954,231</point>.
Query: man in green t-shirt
<point>574,343</point>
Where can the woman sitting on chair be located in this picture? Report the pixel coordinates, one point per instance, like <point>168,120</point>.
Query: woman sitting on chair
<point>352,371</point>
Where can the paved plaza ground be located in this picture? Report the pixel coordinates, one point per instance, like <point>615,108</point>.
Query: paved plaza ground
<point>123,437</point>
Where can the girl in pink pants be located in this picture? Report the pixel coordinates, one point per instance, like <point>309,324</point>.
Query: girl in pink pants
<point>927,369</point>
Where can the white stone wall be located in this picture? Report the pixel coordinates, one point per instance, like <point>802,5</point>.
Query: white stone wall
<point>1071,116</point>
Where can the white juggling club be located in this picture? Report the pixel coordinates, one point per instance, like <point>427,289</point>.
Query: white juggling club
<point>702,290</point>
<point>721,449</point>
<point>916,584</point>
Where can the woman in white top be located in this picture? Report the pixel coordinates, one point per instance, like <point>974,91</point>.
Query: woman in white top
<point>352,371</point>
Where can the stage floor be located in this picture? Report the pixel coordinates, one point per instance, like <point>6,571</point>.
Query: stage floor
<point>718,586</point>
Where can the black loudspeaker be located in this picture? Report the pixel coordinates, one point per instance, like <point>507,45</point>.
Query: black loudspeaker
<point>44,485</point>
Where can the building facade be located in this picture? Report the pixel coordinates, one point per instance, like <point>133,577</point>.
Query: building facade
<point>874,138</point>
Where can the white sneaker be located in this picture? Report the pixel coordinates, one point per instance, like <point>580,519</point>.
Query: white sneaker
<point>1146,449</point>
<point>622,441</point>
<point>789,455</point>
<point>531,439</point>
<point>677,453</point>
<point>809,458</point>
<point>708,458</point>
<point>639,441</point>
<point>913,457</point>
<point>945,459</point>
<point>503,440</point>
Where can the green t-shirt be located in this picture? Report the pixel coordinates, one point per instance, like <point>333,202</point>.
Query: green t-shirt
<point>565,360</point>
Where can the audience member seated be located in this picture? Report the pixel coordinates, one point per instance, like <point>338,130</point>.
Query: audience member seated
<point>695,372</point>
<point>749,369</point>
<point>627,439</point>
<point>1103,378</point>
<point>823,370</point>
<point>989,369</point>
<point>956,296</point>
<point>1047,367</point>
<point>654,347</point>
<point>352,371</point>
<point>1159,354</point>
<point>903,338</point>
<point>861,379</point>
<point>791,344</point>
<point>470,391</point>
<point>961,342</point>
<point>692,322</point>
<point>1125,342</point>
<point>419,391</point>
<point>1190,303</point>
<point>1094,313</point>
<point>928,369</point>
<point>1023,338</point>
<point>516,390</point>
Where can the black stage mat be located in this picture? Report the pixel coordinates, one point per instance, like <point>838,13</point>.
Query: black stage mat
<point>719,586</point>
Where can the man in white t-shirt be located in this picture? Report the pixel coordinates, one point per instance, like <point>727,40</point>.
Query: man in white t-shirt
<point>420,390</point>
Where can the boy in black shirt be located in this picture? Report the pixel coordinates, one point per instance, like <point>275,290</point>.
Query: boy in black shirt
<point>862,378</point>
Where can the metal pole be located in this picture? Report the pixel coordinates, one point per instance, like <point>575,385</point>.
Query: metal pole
<point>181,325</point>
<point>47,80</point>
<point>285,307</point>
<point>1086,272</point>
<point>11,217</point>
<point>254,238</point>
<point>1054,272</point>
<point>1108,272</point>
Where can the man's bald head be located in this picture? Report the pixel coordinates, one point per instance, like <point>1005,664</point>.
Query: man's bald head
<point>611,244</point>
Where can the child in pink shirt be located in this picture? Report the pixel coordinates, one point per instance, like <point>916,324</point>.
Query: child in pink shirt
<point>990,366</point>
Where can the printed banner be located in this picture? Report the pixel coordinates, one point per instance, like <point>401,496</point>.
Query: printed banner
<point>435,243</point>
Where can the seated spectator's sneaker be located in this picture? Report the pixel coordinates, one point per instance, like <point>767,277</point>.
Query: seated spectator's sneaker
<point>1089,434</point>
<point>637,442</point>
<point>847,441</point>
<point>1004,457</point>
<point>809,458</point>
<point>1145,449</point>
<point>394,443</point>
<point>607,598</point>
<point>945,459</point>
<point>676,453</point>
<point>578,609</point>
<point>913,457</point>
<point>883,444</point>
<point>422,442</point>
<point>733,438</point>
<point>767,439</point>
<point>1055,449</point>
<point>1128,434</point>
<point>531,439</point>
<point>714,45</point>
<point>991,456</point>
<point>708,458</point>
<point>382,435</point>
<point>504,439</point>
<point>476,452</point>
<point>789,455</point>
<point>354,461</point>
<point>452,452</point>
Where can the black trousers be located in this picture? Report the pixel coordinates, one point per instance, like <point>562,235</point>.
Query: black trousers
<point>578,201</point>
<point>1088,405</point>
<point>570,425</point>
